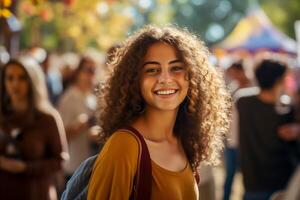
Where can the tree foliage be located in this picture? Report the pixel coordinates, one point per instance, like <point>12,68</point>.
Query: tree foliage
<point>283,13</point>
<point>58,26</point>
<point>76,24</point>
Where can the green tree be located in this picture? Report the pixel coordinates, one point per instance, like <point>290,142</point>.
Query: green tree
<point>211,19</point>
<point>283,13</point>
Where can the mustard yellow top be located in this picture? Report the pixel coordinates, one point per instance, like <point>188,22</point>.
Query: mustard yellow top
<point>115,168</point>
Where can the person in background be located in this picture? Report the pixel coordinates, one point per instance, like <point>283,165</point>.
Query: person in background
<point>69,62</point>
<point>67,72</point>
<point>4,56</point>
<point>53,80</point>
<point>77,106</point>
<point>207,186</point>
<point>240,81</point>
<point>266,159</point>
<point>32,136</point>
<point>52,76</point>
<point>291,132</point>
<point>163,86</point>
<point>237,74</point>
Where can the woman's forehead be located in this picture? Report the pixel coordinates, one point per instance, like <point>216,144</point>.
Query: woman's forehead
<point>15,69</point>
<point>160,50</point>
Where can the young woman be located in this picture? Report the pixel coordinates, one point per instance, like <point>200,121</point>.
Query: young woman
<point>32,137</point>
<point>163,86</point>
<point>77,106</point>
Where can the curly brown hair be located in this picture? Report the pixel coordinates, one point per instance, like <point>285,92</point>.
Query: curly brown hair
<point>203,117</point>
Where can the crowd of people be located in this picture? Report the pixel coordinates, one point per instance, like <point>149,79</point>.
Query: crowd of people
<point>47,128</point>
<point>263,141</point>
<point>161,84</point>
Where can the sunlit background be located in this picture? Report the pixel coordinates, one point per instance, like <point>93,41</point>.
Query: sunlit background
<point>68,29</point>
<point>74,25</point>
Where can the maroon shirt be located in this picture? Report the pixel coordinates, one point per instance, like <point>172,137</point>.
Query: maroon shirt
<point>39,145</point>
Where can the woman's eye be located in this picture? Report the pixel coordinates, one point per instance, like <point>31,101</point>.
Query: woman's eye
<point>151,71</point>
<point>177,68</point>
<point>9,78</point>
<point>23,78</point>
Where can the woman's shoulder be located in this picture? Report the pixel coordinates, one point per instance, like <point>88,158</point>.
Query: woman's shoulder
<point>120,143</point>
<point>116,165</point>
<point>47,119</point>
<point>44,116</point>
<point>121,148</point>
<point>70,94</point>
<point>123,140</point>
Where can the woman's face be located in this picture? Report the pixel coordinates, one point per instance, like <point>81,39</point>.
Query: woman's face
<point>16,83</point>
<point>87,74</point>
<point>163,83</point>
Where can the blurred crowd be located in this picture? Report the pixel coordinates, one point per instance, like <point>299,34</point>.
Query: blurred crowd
<point>47,121</point>
<point>48,124</point>
<point>263,143</point>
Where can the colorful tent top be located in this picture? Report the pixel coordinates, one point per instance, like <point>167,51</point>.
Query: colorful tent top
<point>255,32</point>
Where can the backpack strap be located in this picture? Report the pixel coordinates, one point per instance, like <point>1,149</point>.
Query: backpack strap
<point>143,178</point>
<point>197,177</point>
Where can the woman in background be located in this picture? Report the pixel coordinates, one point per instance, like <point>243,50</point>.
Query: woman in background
<point>77,108</point>
<point>32,137</point>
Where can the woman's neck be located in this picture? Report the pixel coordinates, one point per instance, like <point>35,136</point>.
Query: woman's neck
<point>82,87</point>
<point>157,126</point>
<point>20,106</point>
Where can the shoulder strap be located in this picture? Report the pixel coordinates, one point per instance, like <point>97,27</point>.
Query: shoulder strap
<point>143,178</point>
<point>197,177</point>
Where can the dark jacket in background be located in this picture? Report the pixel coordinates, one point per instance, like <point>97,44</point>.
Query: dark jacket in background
<point>267,162</point>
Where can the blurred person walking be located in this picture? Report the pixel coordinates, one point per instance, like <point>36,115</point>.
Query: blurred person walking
<point>239,82</point>
<point>53,80</point>
<point>266,158</point>
<point>291,132</point>
<point>207,186</point>
<point>52,75</point>
<point>163,87</point>
<point>77,106</point>
<point>32,136</point>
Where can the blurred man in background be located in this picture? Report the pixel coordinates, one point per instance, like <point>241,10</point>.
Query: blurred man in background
<point>266,158</point>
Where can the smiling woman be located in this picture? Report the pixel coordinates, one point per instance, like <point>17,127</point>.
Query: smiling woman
<point>163,86</point>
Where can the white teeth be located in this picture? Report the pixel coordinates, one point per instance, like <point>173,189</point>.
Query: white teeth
<point>165,92</point>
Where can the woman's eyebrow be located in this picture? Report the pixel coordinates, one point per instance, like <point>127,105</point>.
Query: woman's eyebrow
<point>157,63</point>
<point>175,61</point>
<point>151,63</point>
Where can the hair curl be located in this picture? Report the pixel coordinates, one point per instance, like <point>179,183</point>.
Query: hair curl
<point>203,117</point>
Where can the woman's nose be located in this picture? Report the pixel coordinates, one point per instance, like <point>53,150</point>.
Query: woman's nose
<point>164,77</point>
<point>15,82</point>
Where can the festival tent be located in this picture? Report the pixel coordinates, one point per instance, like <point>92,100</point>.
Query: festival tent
<point>256,33</point>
